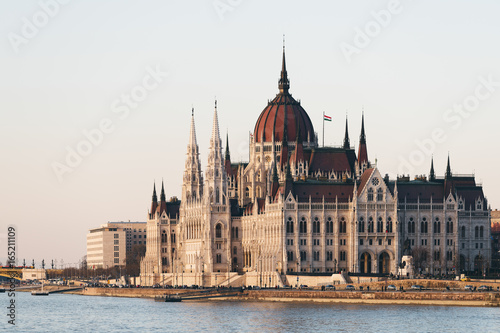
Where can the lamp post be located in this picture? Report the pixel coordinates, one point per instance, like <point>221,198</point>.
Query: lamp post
<point>297,274</point>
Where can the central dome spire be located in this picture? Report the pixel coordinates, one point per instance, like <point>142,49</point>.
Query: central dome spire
<point>284,83</point>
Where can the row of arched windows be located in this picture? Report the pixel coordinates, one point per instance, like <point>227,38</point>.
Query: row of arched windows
<point>380,194</point>
<point>371,225</point>
<point>316,226</point>
<point>424,226</point>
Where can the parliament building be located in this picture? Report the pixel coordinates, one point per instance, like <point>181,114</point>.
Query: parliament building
<point>299,209</point>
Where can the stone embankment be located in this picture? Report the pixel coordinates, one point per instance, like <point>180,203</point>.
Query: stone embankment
<point>435,294</point>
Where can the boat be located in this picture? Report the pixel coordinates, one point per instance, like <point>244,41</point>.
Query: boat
<point>40,293</point>
<point>168,298</point>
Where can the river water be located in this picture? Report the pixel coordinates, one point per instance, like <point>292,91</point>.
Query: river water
<point>75,313</point>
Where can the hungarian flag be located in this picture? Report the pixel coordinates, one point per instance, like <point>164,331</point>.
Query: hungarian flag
<point>327,118</point>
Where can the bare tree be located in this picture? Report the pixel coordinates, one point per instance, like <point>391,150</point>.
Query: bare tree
<point>420,256</point>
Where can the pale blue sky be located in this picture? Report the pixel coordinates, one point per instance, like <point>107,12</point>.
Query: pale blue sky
<point>64,80</point>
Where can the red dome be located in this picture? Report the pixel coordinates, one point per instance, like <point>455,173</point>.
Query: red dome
<point>272,119</point>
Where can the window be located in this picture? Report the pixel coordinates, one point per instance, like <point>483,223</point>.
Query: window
<point>329,226</point>
<point>389,241</point>
<point>342,226</point>
<point>289,226</point>
<point>235,250</point>
<point>315,241</point>
<point>370,194</point>
<point>463,231</point>
<point>316,228</point>
<point>135,236</point>
<point>218,246</point>
<point>424,226</point>
<point>289,242</point>
<point>218,258</point>
<point>477,245</point>
<point>316,255</point>
<point>370,241</point>
<point>303,242</point>
<point>481,232</point>
<point>116,241</point>
<point>218,231</point>
<point>380,225</point>
<point>449,255</point>
<point>380,242</point>
<point>117,248</point>
<point>289,255</point>
<point>361,225</point>
<point>303,256</point>
<point>303,226</point>
<point>247,192</point>
<point>481,245</point>
<point>411,226</point>
<point>342,255</point>
<point>360,242</point>
<point>172,238</point>
<point>329,242</point>
<point>117,261</point>
<point>140,236</point>
<point>380,194</point>
<point>388,225</point>
<point>116,235</point>
<point>437,254</point>
<point>370,224</point>
<point>476,232</point>
<point>449,226</point>
<point>329,256</point>
<point>117,254</point>
<point>437,226</point>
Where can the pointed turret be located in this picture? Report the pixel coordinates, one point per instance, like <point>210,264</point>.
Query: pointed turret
<point>362,151</point>
<point>193,180</point>
<point>215,174</point>
<point>274,182</point>
<point>347,143</point>
<point>163,201</point>
<point>448,169</point>
<point>154,202</point>
<point>227,158</point>
<point>284,83</point>
<point>432,174</point>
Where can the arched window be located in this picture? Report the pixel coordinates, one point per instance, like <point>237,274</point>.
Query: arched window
<point>476,232</point>
<point>303,225</point>
<point>218,231</point>
<point>370,224</point>
<point>361,225</point>
<point>380,225</point>
<point>236,233</point>
<point>289,226</point>
<point>247,192</point>
<point>380,194</point>
<point>424,226</point>
<point>437,226</point>
<point>481,232</point>
<point>342,226</point>
<point>389,225</point>
<point>217,195</point>
<point>316,227</point>
<point>463,231</point>
<point>370,194</point>
<point>411,226</point>
<point>329,226</point>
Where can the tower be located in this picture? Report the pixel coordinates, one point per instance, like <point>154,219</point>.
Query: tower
<point>192,187</point>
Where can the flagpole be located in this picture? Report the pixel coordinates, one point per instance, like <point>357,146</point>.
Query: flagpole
<point>323,128</point>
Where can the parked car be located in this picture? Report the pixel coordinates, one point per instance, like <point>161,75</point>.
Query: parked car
<point>484,288</point>
<point>350,287</point>
<point>469,287</point>
<point>391,287</point>
<point>465,279</point>
<point>329,287</point>
<point>417,287</point>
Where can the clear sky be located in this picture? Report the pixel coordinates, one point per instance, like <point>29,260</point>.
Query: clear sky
<point>426,73</point>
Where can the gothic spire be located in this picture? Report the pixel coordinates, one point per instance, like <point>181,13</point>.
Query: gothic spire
<point>347,143</point>
<point>448,169</point>
<point>362,151</point>
<point>228,156</point>
<point>155,198</point>
<point>215,127</point>
<point>432,174</point>
<point>284,83</point>
<point>162,195</point>
<point>192,131</point>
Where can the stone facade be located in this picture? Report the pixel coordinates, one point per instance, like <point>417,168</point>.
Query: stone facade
<point>296,207</point>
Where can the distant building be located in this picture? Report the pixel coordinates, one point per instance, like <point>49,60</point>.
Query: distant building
<point>34,274</point>
<point>106,247</point>
<point>135,232</point>
<point>495,240</point>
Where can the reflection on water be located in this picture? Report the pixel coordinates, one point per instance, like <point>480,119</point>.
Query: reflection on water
<point>64,313</point>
